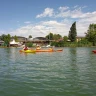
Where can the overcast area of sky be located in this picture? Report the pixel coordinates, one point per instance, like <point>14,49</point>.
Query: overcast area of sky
<point>40,17</point>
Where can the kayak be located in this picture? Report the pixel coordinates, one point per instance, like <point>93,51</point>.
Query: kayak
<point>94,51</point>
<point>59,50</point>
<point>41,50</point>
<point>49,50</point>
<point>27,51</point>
<point>44,50</point>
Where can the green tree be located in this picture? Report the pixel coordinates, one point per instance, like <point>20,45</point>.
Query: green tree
<point>91,34</point>
<point>84,42</point>
<point>30,36</point>
<point>15,38</point>
<point>65,38</point>
<point>57,36</point>
<point>6,39</point>
<point>29,44</point>
<point>73,32</point>
<point>50,36</point>
<point>2,37</point>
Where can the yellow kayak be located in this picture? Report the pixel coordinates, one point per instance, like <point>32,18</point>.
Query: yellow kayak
<point>27,51</point>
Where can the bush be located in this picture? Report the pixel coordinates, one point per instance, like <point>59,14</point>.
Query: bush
<point>29,44</point>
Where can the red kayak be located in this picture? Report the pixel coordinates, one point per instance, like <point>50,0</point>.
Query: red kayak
<point>94,51</point>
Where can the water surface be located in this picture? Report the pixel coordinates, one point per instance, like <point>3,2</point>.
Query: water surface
<point>68,73</point>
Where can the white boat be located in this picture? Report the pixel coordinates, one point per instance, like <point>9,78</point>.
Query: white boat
<point>47,46</point>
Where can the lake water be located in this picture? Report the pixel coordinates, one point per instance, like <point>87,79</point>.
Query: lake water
<point>68,73</point>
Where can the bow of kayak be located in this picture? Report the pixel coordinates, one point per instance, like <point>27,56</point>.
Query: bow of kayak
<point>27,51</point>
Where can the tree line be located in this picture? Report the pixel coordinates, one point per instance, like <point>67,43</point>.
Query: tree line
<point>88,40</point>
<point>59,41</point>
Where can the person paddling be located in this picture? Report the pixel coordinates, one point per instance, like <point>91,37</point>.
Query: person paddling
<point>25,48</point>
<point>38,48</point>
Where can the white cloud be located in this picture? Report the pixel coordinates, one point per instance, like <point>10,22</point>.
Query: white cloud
<point>63,12</point>
<point>47,12</point>
<point>83,23</point>
<point>43,29</point>
<point>2,32</point>
<point>66,17</point>
<point>75,6</point>
<point>63,8</point>
<point>68,13</point>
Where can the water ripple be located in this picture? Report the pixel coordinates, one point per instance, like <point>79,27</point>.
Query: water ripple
<point>70,73</point>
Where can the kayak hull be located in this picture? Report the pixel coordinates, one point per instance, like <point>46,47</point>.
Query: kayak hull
<point>59,50</point>
<point>48,50</point>
<point>40,50</point>
<point>44,50</point>
<point>28,51</point>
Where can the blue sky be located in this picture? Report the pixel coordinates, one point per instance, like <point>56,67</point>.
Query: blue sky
<point>40,17</point>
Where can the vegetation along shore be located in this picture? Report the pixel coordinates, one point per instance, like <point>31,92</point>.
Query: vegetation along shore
<point>72,40</point>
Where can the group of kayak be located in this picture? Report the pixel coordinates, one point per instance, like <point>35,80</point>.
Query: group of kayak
<point>38,49</point>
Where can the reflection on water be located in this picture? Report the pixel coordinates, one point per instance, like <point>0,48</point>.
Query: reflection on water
<point>68,73</point>
<point>73,56</point>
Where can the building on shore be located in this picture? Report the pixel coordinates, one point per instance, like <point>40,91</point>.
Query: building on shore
<point>1,42</point>
<point>13,43</point>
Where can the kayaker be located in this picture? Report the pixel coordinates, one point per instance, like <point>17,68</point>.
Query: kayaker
<point>38,48</point>
<point>25,48</point>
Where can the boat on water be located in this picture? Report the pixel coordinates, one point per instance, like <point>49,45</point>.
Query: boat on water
<point>40,50</point>
<point>49,50</point>
<point>94,51</point>
<point>47,46</point>
<point>59,50</point>
<point>28,51</point>
<point>44,50</point>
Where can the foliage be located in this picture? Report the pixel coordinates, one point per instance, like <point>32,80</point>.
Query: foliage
<point>6,39</point>
<point>84,42</point>
<point>30,36</point>
<point>2,37</point>
<point>15,38</point>
<point>58,44</point>
<point>50,36</point>
<point>65,38</point>
<point>29,44</point>
<point>56,36</point>
<point>73,32</point>
<point>91,34</point>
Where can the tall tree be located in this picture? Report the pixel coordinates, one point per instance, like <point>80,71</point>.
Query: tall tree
<point>91,34</point>
<point>73,32</point>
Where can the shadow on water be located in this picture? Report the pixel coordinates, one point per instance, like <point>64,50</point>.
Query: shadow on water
<point>73,55</point>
